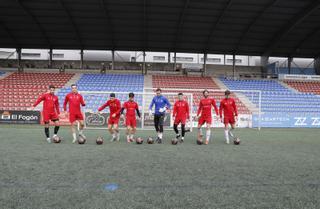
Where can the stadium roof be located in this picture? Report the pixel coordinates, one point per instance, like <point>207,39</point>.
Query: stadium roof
<point>246,27</point>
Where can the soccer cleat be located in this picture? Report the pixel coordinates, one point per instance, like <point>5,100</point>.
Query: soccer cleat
<point>159,141</point>
<point>74,141</point>
<point>178,136</point>
<point>128,141</point>
<point>207,142</point>
<point>112,139</point>
<point>227,141</point>
<point>49,140</point>
<point>181,140</point>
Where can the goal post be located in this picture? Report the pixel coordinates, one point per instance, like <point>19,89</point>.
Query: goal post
<point>95,99</point>
<point>248,103</point>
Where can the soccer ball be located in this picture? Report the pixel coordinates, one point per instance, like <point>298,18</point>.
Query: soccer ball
<point>174,141</point>
<point>236,141</point>
<point>139,140</point>
<point>81,140</point>
<point>199,142</point>
<point>150,140</point>
<point>99,140</point>
<point>56,139</point>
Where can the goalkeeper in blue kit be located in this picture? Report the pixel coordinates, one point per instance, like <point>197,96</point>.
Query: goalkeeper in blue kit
<point>161,104</point>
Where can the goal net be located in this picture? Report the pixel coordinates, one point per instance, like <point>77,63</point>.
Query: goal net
<point>248,103</point>
<point>95,99</point>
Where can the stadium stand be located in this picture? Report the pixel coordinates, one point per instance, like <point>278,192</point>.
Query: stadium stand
<point>305,86</point>
<point>198,83</point>
<point>106,83</point>
<point>297,71</point>
<point>20,90</point>
<point>275,97</point>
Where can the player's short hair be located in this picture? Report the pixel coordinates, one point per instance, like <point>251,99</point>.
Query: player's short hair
<point>72,85</point>
<point>131,95</point>
<point>52,87</point>
<point>204,91</point>
<point>158,89</point>
<point>227,92</point>
<point>112,95</point>
<point>180,94</point>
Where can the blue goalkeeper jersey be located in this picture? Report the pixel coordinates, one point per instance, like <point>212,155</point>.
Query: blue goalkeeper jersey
<point>159,102</point>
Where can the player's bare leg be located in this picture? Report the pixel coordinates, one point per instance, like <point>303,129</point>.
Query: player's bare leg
<point>133,132</point>
<point>110,129</point>
<point>116,131</point>
<point>47,131</point>
<point>208,133</point>
<point>81,127</point>
<point>73,131</point>
<point>226,133</point>
<point>128,133</point>
<point>231,134</point>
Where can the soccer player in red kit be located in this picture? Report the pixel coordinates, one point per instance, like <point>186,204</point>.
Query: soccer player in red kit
<point>50,111</point>
<point>131,108</point>
<point>180,115</point>
<point>115,107</point>
<point>75,100</point>
<point>228,114</point>
<point>205,115</point>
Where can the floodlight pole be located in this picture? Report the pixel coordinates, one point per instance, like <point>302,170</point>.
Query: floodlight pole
<point>234,66</point>
<point>175,61</point>
<point>290,59</point>
<point>204,72</point>
<point>81,59</point>
<point>144,70</point>
<point>112,60</point>
<point>50,58</point>
<point>19,58</point>
<point>316,64</point>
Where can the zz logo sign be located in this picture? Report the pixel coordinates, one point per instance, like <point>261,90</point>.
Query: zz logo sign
<point>315,121</point>
<point>300,121</point>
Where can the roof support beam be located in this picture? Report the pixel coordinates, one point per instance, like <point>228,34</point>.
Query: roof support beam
<point>105,7</point>
<point>284,31</point>
<point>35,20</point>
<point>308,36</point>
<point>253,22</point>
<point>10,35</point>
<point>63,6</point>
<point>144,29</point>
<point>178,34</point>
<point>215,25</point>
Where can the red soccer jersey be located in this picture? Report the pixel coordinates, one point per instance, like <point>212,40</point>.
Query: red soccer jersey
<point>115,107</point>
<point>131,108</point>
<point>50,103</point>
<point>181,109</point>
<point>228,107</point>
<point>205,107</point>
<point>74,100</point>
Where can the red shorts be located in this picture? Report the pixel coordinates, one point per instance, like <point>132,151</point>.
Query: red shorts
<point>228,120</point>
<point>180,120</point>
<point>205,119</point>
<point>75,116</point>
<point>53,116</point>
<point>132,121</point>
<point>113,121</point>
